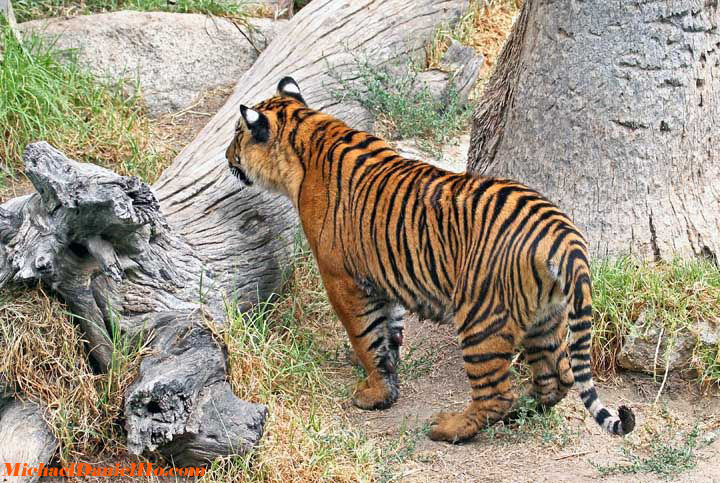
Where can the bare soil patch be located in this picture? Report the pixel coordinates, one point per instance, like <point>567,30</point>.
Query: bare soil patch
<point>562,448</point>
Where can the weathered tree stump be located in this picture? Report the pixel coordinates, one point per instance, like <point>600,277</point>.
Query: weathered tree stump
<point>166,261</point>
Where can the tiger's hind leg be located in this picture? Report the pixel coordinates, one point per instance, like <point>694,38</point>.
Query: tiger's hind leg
<point>488,346</point>
<point>375,329</point>
<point>546,351</point>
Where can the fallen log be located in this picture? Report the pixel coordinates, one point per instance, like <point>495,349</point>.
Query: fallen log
<point>164,262</point>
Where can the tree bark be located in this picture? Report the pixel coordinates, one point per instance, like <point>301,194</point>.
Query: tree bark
<point>25,438</point>
<point>167,261</point>
<point>611,109</point>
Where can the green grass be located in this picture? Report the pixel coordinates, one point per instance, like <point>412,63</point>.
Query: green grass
<point>404,107</point>
<point>43,356</point>
<point>664,458</point>
<point>44,99</point>
<point>547,427</point>
<point>399,450</point>
<point>34,9</point>
<point>670,295</point>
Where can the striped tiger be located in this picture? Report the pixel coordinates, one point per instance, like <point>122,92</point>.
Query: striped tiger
<point>493,256</point>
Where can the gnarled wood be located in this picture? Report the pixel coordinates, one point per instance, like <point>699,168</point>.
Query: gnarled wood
<point>165,261</point>
<point>611,109</point>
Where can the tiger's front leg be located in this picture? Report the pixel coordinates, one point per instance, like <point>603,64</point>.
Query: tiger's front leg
<point>375,329</point>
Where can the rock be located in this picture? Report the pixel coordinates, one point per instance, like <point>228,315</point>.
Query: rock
<point>707,332</point>
<point>173,56</point>
<point>459,70</point>
<point>638,350</point>
<point>453,156</point>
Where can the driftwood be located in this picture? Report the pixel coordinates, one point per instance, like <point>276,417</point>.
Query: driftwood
<point>611,109</point>
<point>25,437</point>
<point>167,261</point>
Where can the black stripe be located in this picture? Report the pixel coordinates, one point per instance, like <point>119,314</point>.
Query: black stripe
<point>476,359</point>
<point>373,325</point>
<point>377,343</point>
<point>491,329</point>
<point>585,325</point>
<point>588,397</point>
<point>602,415</point>
<point>580,344</point>
<point>541,348</point>
<point>494,383</point>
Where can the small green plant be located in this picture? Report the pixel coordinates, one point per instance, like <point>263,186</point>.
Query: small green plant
<point>665,458</point>
<point>545,425</point>
<point>34,9</point>
<point>399,450</point>
<point>415,363</point>
<point>404,106</point>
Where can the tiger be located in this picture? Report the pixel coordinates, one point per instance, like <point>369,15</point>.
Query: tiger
<point>391,234</point>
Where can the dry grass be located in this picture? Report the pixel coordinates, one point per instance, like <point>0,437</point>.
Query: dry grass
<point>282,355</point>
<point>43,356</point>
<point>484,27</point>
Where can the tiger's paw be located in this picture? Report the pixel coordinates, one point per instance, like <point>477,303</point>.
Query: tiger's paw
<point>380,396</point>
<point>452,427</point>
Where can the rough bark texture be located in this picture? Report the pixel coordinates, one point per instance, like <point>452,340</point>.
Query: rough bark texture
<point>100,241</point>
<point>24,438</point>
<point>166,262</point>
<point>611,109</point>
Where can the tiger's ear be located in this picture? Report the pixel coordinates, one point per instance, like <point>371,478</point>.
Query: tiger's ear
<point>256,122</point>
<point>289,88</point>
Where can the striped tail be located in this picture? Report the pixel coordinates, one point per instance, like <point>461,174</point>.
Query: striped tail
<point>580,323</point>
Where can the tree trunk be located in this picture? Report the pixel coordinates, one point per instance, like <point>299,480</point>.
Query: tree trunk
<point>611,109</point>
<point>166,262</point>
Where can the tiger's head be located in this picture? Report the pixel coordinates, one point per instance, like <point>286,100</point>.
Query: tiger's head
<point>260,151</point>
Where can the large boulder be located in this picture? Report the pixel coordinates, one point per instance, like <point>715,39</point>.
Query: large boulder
<point>174,57</point>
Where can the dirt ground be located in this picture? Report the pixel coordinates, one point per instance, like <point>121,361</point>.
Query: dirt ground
<point>563,451</point>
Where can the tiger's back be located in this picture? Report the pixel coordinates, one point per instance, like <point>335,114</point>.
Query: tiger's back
<point>492,255</point>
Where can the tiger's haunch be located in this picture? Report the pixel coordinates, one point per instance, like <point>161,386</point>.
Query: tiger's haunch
<point>504,264</point>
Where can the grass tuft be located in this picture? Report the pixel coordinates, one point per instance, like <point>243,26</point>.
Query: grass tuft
<point>670,295</point>
<point>664,458</point>
<point>35,9</point>
<point>484,27</point>
<point>279,356</point>
<point>42,98</point>
<point>403,107</point>
<point>43,357</point>
<point>545,426</point>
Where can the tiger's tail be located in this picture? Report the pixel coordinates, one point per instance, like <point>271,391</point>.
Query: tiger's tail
<point>580,324</point>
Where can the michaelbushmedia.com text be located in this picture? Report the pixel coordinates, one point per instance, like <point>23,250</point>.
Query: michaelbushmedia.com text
<point>85,469</point>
